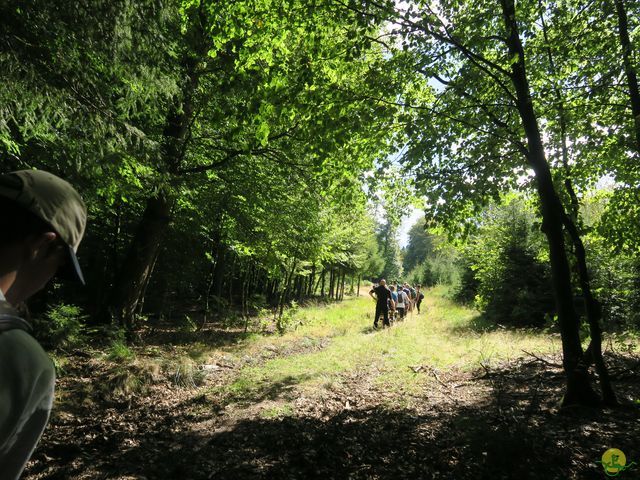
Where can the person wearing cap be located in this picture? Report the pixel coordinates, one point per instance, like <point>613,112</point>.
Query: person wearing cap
<point>42,221</point>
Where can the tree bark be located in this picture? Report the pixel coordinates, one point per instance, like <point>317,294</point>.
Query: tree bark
<point>207,293</point>
<point>230,278</point>
<point>219,269</point>
<point>244,293</point>
<point>317,283</point>
<point>594,316</point>
<point>578,387</point>
<point>331,283</point>
<point>138,263</point>
<point>287,286</point>
<point>573,225</point>
<point>632,78</point>
<point>302,288</point>
<point>312,280</point>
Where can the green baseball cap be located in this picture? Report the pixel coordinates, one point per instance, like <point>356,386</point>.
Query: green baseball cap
<point>54,201</point>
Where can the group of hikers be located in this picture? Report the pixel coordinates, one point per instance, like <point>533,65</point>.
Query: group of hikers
<point>394,302</point>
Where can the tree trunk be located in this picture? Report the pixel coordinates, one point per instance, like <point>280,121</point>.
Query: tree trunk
<point>287,286</point>
<point>219,269</point>
<point>312,280</point>
<point>245,292</point>
<point>231,278</point>
<point>138,264</point>
<point>579,389</point>
<point>594,316</point>
<point>275,290</point>
<point>113,260</point>
<point>260,281</point>
<point>632,78</point>
<point>359,278</point>
<point>324,274</point>
<point>207,293</point>
<point>331,283</point>
<point>300,287</point>
<point>573,225</point>
<point>140,306</point>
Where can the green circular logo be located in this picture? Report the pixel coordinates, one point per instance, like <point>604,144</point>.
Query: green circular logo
<point>613,462</point>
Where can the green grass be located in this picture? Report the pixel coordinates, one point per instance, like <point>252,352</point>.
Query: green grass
<point>120,352</point>
<point>277,411</point>
<point>444,336</point>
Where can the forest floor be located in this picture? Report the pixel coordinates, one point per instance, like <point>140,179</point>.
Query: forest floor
<point>439,395</point>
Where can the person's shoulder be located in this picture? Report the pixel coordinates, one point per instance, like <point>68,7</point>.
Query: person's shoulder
<point>20,349</point>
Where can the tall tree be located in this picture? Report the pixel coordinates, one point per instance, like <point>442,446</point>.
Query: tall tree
<point>629,68</point>
<point>419,247</point>
<point>474,131</point>
<point>234,82</point>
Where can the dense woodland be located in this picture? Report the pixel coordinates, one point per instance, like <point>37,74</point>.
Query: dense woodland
<point>244,156</point>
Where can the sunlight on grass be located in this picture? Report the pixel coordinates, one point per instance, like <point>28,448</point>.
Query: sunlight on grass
<point>277,411</point>
<point>444,336</point>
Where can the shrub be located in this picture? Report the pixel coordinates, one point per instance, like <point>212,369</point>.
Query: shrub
<point>616,283</point>
<point>467,288</point>
<point>503,267</point>
<point>521,297</point>
<point>61,328</point>
<point>284,321</point>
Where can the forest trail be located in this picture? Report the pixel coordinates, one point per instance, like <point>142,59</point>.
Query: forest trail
<point>436,396</point>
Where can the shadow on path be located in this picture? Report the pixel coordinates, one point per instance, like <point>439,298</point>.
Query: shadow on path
<point>502,426</point>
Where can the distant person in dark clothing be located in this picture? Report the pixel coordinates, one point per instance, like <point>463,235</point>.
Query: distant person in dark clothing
<point>420,297</point>
<point>381,294</point>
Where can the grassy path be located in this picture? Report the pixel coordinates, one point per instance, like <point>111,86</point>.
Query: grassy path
<point>444,336</point>
<point>436,396</point>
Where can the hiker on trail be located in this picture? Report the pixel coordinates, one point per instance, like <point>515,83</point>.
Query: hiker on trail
<point>382,296</point>
<point>419,297</point>
<point>407,290</point>
<point>403,303</point>
<point>42,222</point>
<point>393,302</point>
<point>413,296</point>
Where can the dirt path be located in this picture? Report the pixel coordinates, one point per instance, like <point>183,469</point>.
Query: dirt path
<point>498,421</point>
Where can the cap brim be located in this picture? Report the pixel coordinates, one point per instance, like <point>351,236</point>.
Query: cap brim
<point>71,270</point>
